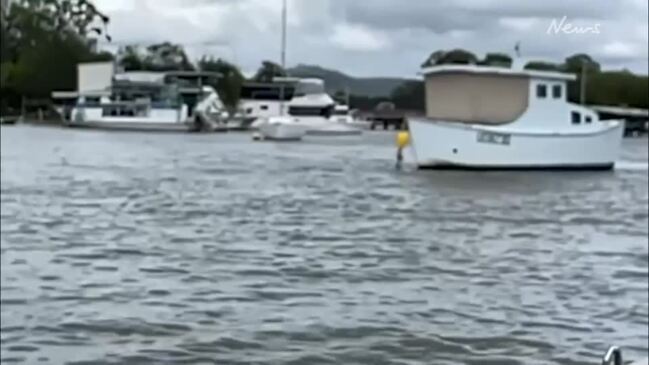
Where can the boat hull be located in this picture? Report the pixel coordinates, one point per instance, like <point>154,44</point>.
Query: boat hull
<point>134,126</point>
<point>282,131</point>
<point>445,145</point>
<point>319,126</point>
<point>333,130</point>
<point>329,133</point>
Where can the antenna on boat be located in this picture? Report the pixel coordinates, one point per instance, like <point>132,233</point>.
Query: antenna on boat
<point>347,96</point>
<point>283,55</point>
<point>517,62</point>
<point>517,49</point>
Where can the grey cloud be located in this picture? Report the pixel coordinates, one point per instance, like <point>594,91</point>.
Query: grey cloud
<point>446,15</point>
<point>247,31</point>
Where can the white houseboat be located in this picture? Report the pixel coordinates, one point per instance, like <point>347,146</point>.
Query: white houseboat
<point>161,101</point>
<point>500,118</point>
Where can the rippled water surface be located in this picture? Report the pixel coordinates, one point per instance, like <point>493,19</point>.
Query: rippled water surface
<point>205,249</point>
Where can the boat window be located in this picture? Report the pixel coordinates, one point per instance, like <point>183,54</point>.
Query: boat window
<point>264,107</point>
<point>170,96</point>
<point>310,111</point>
<point>309,88</point>
<point>589,119</point>
<point>575,117</point>
<point>541,91</point>
<point>125,109</point>
<point>92,101</point>
<point>556,91</point>
<point>267,92</point>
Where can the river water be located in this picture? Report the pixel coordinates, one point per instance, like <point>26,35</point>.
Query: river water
<point>205,249</point>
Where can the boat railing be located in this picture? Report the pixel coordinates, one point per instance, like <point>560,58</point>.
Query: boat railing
<point>113,103</point>
<point>129,105</point>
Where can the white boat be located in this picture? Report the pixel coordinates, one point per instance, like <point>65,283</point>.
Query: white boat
<point>496,118</point>
<point>171,101</point>
<point>341,114</point>
<point>314,108</point>
<point>333,129</point>
<point>262,100</point>
<point>309,106</point>
<point>304,99</point>
<point>282,128</point>
<point>308,111</point>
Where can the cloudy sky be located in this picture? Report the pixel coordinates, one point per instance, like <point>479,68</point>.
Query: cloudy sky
<point>386,37</point>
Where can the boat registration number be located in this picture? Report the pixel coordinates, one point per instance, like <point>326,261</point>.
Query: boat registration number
<point>494,138</point>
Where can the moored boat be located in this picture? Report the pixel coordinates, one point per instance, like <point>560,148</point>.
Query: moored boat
<point>495,118</point>
<point>308,112</point>
<point>342,115</point>
<point>282,128</point>
<point>151,101</point>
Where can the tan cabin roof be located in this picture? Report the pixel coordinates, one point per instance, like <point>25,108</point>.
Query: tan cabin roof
<point>501,71</point>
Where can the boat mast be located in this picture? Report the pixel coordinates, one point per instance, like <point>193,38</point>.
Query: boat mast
<point>347,96</point>
<point>283,55</point>
<point>582,88</point>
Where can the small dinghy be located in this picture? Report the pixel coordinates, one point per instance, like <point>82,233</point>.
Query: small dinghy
<point>283,128</point>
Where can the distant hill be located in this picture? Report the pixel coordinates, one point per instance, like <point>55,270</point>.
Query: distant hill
<point>337,81</point>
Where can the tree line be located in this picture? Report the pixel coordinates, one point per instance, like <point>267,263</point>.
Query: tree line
<point>42,41</point>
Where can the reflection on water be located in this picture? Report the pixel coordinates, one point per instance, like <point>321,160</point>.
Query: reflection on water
<point>149,249</point>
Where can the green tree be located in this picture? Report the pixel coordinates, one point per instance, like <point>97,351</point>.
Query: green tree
<point>129,58</point>
<point>167,56</point>
<point>496,59</point>
<point>50,66</point>
<point>455,56</point>
<point>164,56</point>
<point>42,41</point>
<point>542,66</point>
<point>365,102</point>
<point>268,71</point>
<point>410,95</point>
<point>575,63</point>
<point>26,23</point>
<point>434,58</point>
<point>229,85</point>
<point>340,96</point>
<point>618,88</point>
